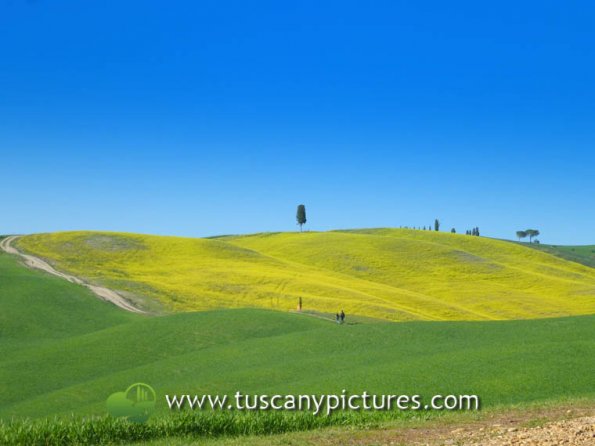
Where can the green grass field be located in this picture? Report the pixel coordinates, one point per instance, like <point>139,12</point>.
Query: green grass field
<point>579,254</point>
<point>392,274</point>
<point>62,352</point>
<point>38,308</point>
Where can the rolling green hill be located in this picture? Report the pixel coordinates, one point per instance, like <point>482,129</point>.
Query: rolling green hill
<point>580,254</point>
<point>88,349</point>
<point>38,308</point>
<point>393,274</point>
<point>62,352</point>
<point>258,351</point>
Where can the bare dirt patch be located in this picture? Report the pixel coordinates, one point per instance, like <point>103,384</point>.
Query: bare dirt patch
<point>572,425</point>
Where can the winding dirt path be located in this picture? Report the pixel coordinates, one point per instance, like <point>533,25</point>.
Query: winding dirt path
<point>37,263</point>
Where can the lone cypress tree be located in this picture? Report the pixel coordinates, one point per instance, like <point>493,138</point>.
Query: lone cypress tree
<point>436,225</point>
<point>301,216</point>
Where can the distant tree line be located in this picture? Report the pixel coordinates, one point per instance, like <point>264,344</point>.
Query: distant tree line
<point>301,220</point>
<point>436,227</point>
<point>531,233</point>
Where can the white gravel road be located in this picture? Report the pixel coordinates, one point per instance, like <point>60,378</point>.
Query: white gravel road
<point>37,263</point>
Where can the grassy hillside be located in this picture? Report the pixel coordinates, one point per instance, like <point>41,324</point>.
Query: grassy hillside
<point>579,254</point>
<point>392,274</point>
<point>100,349</point>
<point>62,351</point>
<point>38,308</point>
<point>259,351</point>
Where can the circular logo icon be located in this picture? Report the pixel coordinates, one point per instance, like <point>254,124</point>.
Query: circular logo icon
<point>136,403</point>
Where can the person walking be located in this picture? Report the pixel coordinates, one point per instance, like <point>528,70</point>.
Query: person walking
<point>342,316</point>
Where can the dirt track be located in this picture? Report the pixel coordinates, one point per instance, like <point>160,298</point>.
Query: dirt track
<point>571,425</point>
<point>37,263</point>
<point>577,432</point>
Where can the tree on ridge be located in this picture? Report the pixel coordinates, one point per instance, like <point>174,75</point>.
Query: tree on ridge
<point>301,216</point>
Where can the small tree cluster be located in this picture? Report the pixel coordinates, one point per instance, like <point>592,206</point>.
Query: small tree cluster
<point>528,233</point>
<point>474,231</point>
<point>436,227</point>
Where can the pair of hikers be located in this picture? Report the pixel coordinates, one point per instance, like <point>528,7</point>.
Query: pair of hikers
<point>340,317</point>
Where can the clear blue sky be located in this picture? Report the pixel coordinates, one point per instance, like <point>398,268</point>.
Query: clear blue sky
<point>199,118</point>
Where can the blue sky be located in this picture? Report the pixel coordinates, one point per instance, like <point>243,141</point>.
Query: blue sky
<point>214,117</point>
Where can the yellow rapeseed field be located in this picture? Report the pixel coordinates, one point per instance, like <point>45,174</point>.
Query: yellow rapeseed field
<point>394,274</point>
